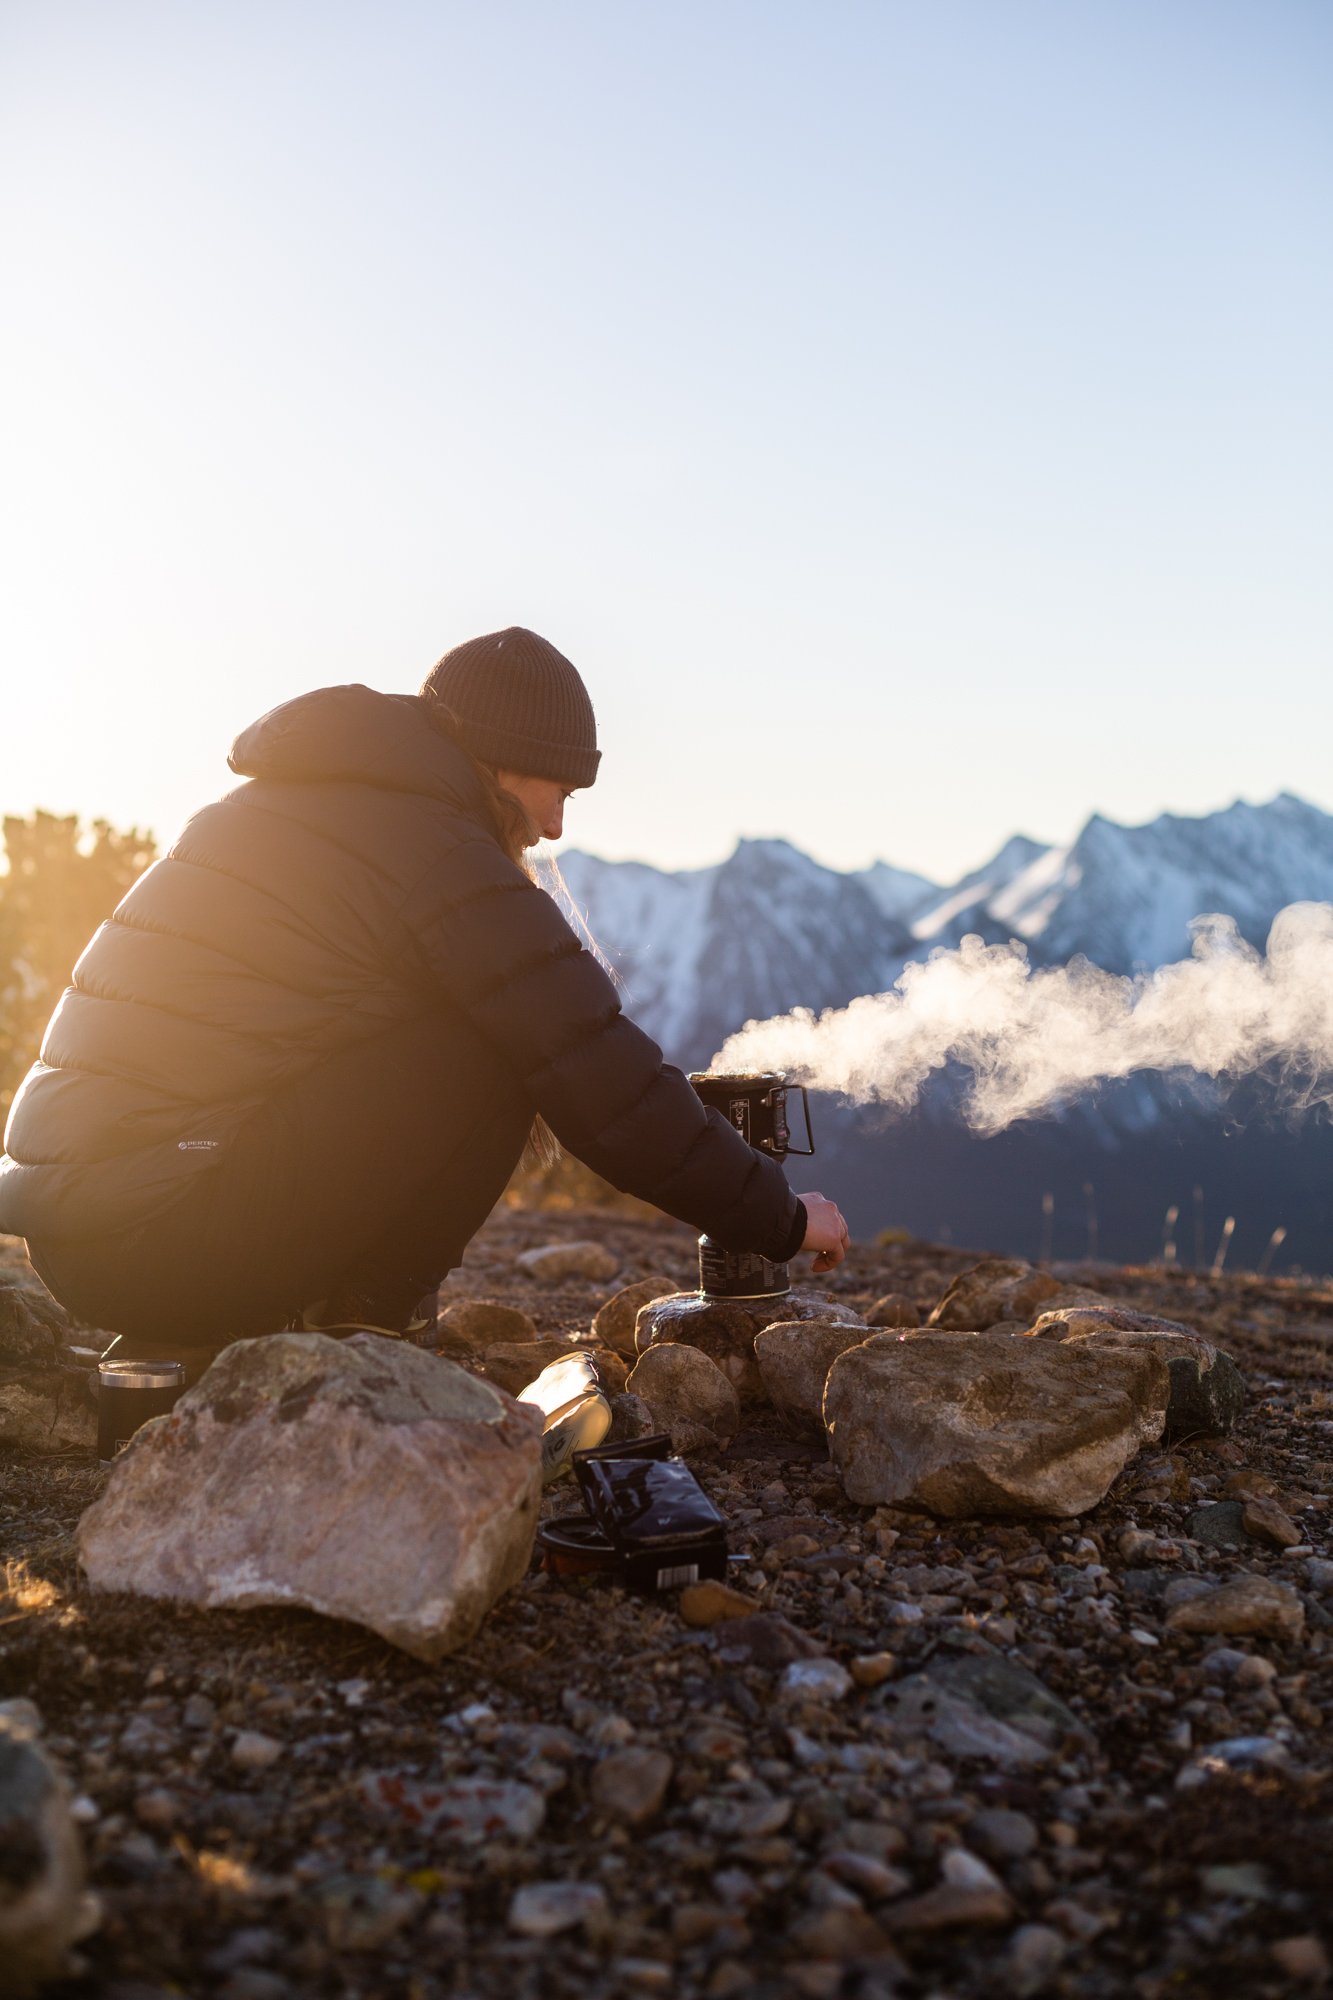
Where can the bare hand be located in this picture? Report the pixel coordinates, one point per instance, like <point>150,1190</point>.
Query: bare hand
<point>825,1231</point>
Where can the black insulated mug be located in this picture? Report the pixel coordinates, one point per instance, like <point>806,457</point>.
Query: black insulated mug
<point>128,1394</point>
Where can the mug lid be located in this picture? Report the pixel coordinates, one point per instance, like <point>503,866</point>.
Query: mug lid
<point>141,1374</point>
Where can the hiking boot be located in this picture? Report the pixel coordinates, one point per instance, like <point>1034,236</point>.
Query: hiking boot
<point>340,1317</point>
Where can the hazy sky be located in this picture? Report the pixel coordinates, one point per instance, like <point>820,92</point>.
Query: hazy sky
<point>915,420</point>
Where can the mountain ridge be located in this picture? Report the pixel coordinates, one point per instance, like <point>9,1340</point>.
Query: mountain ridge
<point>700,951</point>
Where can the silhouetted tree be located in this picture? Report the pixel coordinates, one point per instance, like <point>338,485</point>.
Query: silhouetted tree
<point>61,883</point>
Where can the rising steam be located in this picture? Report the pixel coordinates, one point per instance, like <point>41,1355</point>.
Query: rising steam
<point>1033,1038</point>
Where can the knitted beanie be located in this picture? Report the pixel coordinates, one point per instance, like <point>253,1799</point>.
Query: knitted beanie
<point>517,704</point>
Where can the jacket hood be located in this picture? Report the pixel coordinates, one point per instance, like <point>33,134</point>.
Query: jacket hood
<point>355,735</point>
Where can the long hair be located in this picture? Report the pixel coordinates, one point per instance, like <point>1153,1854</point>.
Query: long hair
<point>516,835</point>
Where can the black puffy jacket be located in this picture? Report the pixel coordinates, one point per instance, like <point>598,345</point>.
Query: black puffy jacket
<point>355,881</point>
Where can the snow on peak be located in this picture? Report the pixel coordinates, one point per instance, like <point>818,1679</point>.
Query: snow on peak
<point>700,951</point>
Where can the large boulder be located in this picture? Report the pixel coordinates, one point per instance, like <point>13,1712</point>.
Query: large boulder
<point>959,1425</point>
<point>362,1478</point>
<point>48,1409</point>
<point>794,1358</point>
<point>725,1329</point>
<point>31,1331</point>
<point>1002,1288</point>
<point>1207,1388</point>
<point>44,1908</point>
<point>47,1401</point>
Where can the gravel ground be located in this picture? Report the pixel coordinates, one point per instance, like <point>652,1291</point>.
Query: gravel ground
<point>278,1805</point>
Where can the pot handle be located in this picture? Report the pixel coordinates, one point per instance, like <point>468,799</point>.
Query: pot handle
<point>807,1151</point>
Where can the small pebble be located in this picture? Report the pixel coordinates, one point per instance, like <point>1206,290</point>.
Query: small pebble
<point>1035,1955</point>
<point>543,1909</point>
<point>868,1670</point>
<point>818,1679</point>
<point>1222,1663</point>
<point>717,1742</point>
<point>1301,1957</point>
<point>1182,1589</point>
<point>253,1751</point>
<point>253,1982</point>
<point>1267,1522</point>
<point>610,1732</point>
<point>1234,1753</point>
<point>629,1785</point>
<point>866,1875</point>
<point>1003,1835</point>
<point>1246,1879</point>
<point>647,1975</point>
<point>951,1907</point>
<point>839,1934</point>
<point>1254,1671</point>
<point>963,1870</point>
<point>158,1809</point>
<point>710,1602</point>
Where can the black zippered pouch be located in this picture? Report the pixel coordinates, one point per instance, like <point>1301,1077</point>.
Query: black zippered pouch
<point>652,1511</point>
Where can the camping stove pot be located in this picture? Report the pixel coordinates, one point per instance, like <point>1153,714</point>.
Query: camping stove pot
<point>757,1106</point>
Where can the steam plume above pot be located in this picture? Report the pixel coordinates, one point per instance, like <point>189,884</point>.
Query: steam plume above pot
<point>1034,1038</point>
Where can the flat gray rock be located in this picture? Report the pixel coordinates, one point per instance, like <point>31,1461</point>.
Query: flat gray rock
<point>1220,1525</point>
<point>984,1706</point>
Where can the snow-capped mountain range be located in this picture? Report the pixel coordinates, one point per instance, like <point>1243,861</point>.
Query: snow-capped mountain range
<point>701,951</point>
